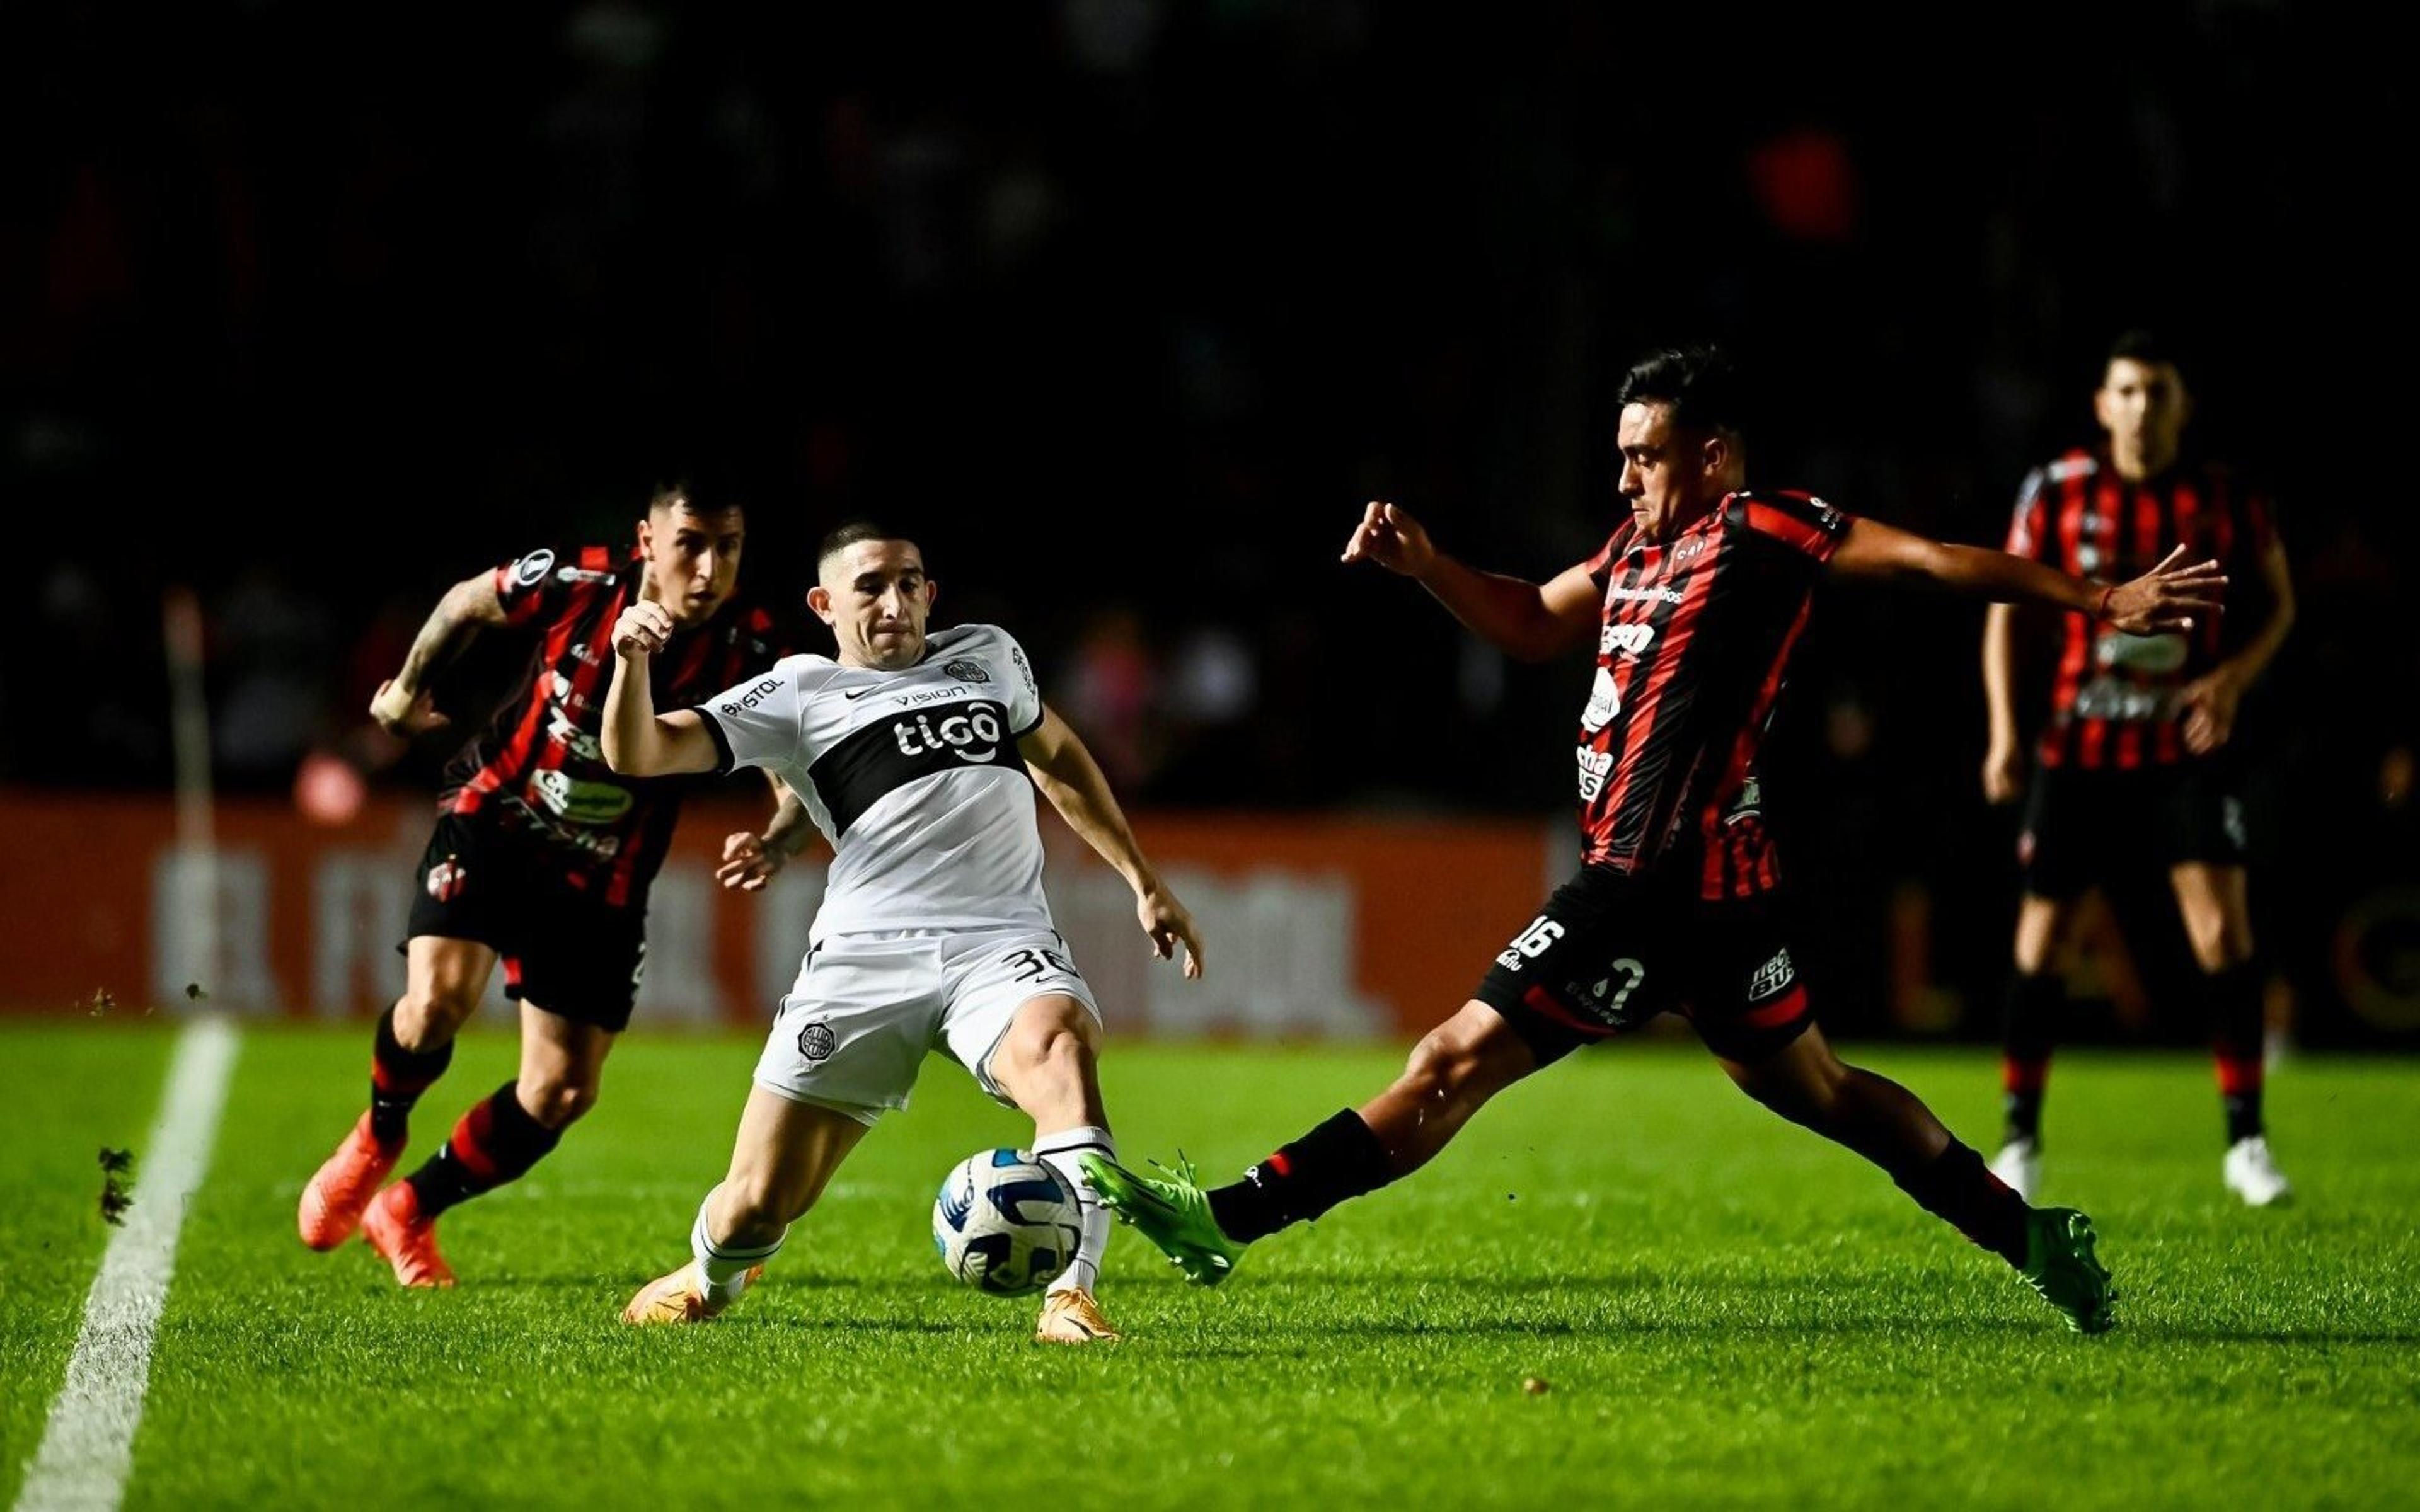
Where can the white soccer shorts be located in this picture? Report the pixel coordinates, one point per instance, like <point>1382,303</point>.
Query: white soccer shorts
<point>853,1032</point>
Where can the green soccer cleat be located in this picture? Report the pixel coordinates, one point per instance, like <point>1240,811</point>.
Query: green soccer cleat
<point>1172,1213</point>
<point>2059,1264</point>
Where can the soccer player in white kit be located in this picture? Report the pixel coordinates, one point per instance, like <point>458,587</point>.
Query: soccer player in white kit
<point>911,753</point>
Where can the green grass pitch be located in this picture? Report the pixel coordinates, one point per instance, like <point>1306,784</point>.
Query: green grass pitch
<point>1724,1308</point>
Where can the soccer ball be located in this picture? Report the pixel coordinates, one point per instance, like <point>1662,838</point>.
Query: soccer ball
<point>1005,1223</point>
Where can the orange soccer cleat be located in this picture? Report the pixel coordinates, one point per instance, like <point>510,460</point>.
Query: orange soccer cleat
<point>1073,1316</point>
<point>679,1298</point>
<point>395,1229</point>
<point>340,1189</point>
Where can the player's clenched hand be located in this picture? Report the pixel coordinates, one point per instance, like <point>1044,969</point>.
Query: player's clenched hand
<point>748,862</point>
<point>402,712</point>
<point>1391,538</point>
<point>2209,705</point>
<point>642,630</point>
<point>2004,774</point>
<point>1168,923</point>
<point>2167,597</point>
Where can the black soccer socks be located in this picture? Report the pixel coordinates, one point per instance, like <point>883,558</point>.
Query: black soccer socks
<point>398,1077</point>
<point>2033,1011</point>
<point>496,1142</point>
<point>1955,1187</point>
<point>1340,1159</point>
<point>2237,1028</point>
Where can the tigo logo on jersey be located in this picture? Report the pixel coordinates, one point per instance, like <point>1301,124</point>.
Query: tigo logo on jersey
<point>958,734</point>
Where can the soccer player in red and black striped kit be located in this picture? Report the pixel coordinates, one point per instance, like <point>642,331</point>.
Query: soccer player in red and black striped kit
<point>2134,766</point>
<point>542,857</point>
<point>1695,602</point>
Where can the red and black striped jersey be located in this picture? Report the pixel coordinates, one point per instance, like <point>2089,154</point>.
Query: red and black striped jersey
<point>2113,699</point>
<point>1696,632</point>
<point>539,767</point>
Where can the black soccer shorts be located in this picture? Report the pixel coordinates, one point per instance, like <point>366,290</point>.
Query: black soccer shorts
<point>1607,953</point>
<point>2083,826</point>
<point>565,950</point>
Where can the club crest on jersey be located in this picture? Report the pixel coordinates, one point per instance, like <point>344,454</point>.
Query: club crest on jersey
<point>531,570</point>
<point>972,737</point>
<point>445,880</point>
<point>816,1042</point>
<point>965,671</point>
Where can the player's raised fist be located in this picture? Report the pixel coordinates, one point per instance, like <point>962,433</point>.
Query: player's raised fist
<point>2167,597</point>
<point>642,630</point>
<point>1392,538</point>
<point>400,710</point>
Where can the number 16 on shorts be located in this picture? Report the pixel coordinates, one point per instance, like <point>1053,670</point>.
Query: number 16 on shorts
<point>1530,943</point>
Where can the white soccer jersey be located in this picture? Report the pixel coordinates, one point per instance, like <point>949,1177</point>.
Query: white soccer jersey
<point>913,776</point>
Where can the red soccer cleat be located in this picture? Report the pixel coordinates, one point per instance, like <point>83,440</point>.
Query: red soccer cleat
<point>332,1202</point>
<point>395,1229</point>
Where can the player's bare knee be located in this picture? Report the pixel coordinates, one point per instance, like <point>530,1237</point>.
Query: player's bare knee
<point>430,1014</point>
<point>557,1103</point>
<point>2218,942</point>
<point>1046,1055</point>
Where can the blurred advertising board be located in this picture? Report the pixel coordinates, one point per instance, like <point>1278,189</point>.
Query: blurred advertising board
<point>1313,928</point>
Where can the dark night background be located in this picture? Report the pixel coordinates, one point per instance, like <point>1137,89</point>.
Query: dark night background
<point>1126,308</point>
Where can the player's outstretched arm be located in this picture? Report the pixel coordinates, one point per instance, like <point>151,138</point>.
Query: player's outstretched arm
<point>1073,782</point>
<point>2167,597</point>
<point>1533,621</point>
<point>638,741</point>
<point>402,704</point>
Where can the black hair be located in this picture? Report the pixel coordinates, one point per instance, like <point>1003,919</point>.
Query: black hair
<point>684,493</point>
<point>1700,385</point>
<point>851,534</point>
<point>2146,346</point>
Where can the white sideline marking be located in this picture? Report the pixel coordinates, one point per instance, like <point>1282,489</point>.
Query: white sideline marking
<point>88,1447</point>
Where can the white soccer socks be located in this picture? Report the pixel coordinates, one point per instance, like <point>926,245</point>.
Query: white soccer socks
<point>723,1267</point>
<point>1059,1151</point>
